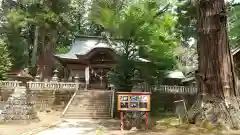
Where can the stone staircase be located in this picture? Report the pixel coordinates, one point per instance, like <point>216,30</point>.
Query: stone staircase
<point>91,104</point>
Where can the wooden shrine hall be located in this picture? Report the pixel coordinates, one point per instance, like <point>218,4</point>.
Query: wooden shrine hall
<point>89,60</point>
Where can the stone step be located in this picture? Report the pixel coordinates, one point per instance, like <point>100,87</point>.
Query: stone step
<point>94,94</point>
<point>85,115</point>
<point>92,98</point>
<point>88,111</point>
<point>90,105</point>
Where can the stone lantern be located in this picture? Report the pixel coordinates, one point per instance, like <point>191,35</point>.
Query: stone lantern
<point>76,78</point>
<point>55,76</point>
<point>37,78</point>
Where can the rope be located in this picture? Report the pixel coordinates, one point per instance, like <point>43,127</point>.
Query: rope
<point>100,76</point>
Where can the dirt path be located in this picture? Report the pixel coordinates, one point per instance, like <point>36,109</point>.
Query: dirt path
<point>73,127</point>
<point>17,128</point>
<point>103,127</point>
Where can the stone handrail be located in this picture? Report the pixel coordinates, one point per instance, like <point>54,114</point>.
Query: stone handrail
<point>69,103</point>
<point>9,84</point>
<point>175,89</point>
<point>112,103</point>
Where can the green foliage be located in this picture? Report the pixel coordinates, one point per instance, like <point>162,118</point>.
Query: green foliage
<point>22,17</point>
<point>145,31</point>
<point>234,28</point>
<point>5,62</point>
<point>186,26</point>
<point>123,74</point>
<point>63,49</point>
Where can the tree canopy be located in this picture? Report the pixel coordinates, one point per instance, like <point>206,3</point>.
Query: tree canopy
<point>146,30</point>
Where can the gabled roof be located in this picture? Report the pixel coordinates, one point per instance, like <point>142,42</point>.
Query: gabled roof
<point>83,45</point>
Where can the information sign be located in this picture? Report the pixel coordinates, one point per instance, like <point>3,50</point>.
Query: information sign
<point>134,101</point>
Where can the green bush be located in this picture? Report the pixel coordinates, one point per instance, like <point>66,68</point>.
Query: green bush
<point>5,61</point>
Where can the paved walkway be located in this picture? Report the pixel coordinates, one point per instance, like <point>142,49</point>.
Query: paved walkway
<point>74,127</point>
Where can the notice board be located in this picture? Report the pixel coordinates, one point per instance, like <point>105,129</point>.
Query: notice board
<point>133,101</point>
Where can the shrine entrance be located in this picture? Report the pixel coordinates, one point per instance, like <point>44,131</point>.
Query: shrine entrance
<point>98,78</point>
<point>101,62</point>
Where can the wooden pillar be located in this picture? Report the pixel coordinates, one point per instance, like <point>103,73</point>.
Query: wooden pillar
<point>87,76</point>
<point>147,119</point>
<point>122,120</point>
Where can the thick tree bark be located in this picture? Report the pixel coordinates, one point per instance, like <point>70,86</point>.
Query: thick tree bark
<point>215,75</point>
<point>46,60</point>
<point>35,46</point>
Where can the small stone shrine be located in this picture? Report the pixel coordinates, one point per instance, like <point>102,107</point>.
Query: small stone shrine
<point>18,107</point>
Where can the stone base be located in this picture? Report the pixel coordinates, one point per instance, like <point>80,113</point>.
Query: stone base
<point>18,107</point>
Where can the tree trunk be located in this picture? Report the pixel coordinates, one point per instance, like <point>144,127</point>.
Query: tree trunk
<point>215,72</point>
<point>35,46</point>
<point>46,59</point>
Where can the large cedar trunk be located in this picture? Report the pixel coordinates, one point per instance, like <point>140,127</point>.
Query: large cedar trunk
<point>215,75</point>
<point>46,60</point>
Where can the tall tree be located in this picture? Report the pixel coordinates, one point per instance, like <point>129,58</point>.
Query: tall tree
<point>33,29</point>
<point>215,76</point>
<point>145,30</point>
<point>5,63</point>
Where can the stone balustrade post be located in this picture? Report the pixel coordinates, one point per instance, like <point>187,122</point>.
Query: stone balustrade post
<point>70,78</point>
<point>76,80</point>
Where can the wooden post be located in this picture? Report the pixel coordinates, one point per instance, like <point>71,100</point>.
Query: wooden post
<point>121,118</point>
<point>147,118</point>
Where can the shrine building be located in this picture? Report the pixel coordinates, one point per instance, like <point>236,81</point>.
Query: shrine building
<point>89,60</point>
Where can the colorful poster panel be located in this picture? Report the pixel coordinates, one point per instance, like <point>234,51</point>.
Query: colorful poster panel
<point>143,98</point>
<point>134,98</point>
<point>123,98</point>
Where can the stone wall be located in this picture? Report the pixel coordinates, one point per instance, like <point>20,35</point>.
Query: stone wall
<point>5,94</point>
<point>47,99</point>
<point>43,99</point>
